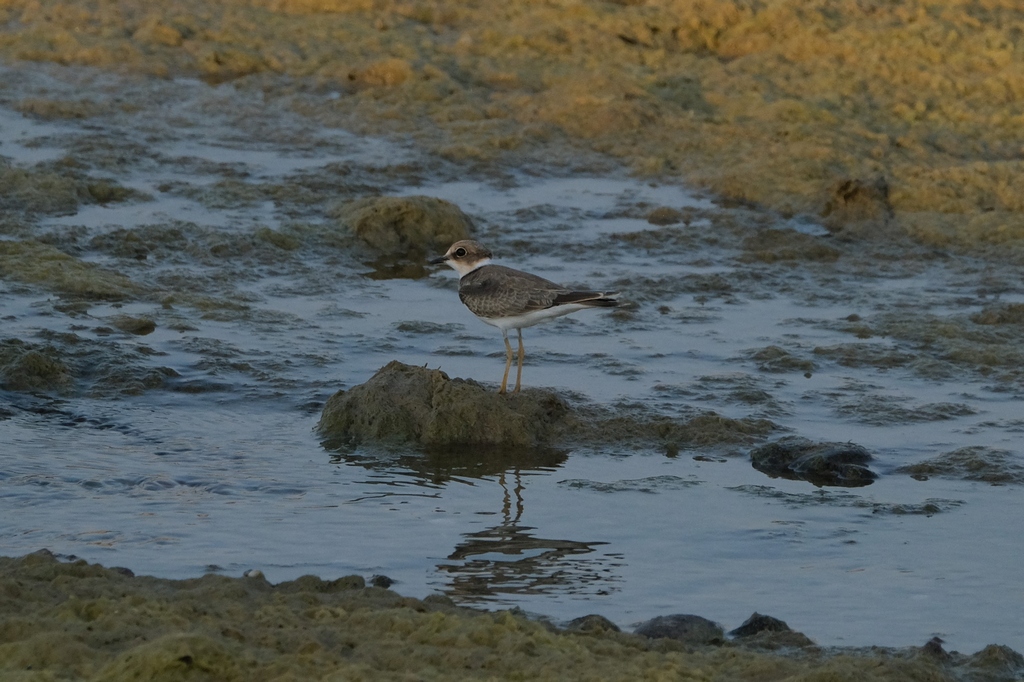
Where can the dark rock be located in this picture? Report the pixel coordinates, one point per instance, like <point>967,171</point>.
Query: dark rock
<point>381,581</point>
<point>592,624</point>
<point>759,623</point>
<point>858,208</point>
<point>684,628</point>
<point>767,633</point>
<point>795,458</point>
<point>933,648</point>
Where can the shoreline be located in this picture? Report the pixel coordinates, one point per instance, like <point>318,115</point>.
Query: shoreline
<point>98,623</point>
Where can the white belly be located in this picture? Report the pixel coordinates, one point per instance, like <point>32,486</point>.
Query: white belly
<point>533,317</point>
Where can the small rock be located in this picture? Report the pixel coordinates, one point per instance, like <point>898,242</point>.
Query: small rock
<point>795,458</point>
<point>684,628</point>
<point>404,226</point>
<point>381,581</point>
<point>759,623</point>
<point>933,647</point>
<point>592,624</point>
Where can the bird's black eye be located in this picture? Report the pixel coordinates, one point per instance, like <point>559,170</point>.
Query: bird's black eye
<point>460,252</point>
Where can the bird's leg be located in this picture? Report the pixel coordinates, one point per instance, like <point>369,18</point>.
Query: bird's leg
<point>508,360</point>
<point>519,365</point>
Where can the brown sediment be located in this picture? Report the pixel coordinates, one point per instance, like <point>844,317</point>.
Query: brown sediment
<point>899,118</point>
<point>74,620</point>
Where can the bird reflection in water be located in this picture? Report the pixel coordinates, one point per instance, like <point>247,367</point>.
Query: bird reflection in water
<point>507,559</point>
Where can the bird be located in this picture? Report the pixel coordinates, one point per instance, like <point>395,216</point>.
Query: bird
<point>512,299</point>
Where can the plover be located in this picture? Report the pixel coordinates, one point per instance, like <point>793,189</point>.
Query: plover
<point>512,299</point>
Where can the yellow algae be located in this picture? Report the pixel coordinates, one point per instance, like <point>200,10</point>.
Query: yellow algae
<point>773,102</point>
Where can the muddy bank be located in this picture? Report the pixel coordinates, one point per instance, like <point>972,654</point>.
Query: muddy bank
<point>78,620</point>
<point>879,118</point>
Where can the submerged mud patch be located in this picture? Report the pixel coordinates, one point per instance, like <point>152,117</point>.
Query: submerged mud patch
<point>977,463</point>
<point>840,498</point>
<point>68,364</point>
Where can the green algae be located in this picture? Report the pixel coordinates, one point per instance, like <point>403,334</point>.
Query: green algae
<point>74,620</point>
<point>32,368</point>
<point>36,263</point>
<point>404,226</point>
<point>67,364</point>
<point>58,188</point>
<point>405,405</point>
<point>402,404</point>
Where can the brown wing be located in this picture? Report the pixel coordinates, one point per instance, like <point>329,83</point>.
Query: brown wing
<point>597,299</point>
<point>497,291</point>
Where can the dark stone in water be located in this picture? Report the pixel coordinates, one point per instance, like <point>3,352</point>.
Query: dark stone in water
<point>684,628</point>
<point>760,632</point>
<point>759,623</point>
<point>795,458</point>
<point>592,624</point>
<point>381,581</point>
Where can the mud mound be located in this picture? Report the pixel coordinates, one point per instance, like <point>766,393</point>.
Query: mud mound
<point>402,404</point>
<point>404,226</point>
<point>405,405</point>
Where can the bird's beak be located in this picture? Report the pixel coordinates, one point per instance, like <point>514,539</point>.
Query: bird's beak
<point>439,260</point>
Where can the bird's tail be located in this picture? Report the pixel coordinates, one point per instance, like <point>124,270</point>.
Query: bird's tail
<point>593,299</point>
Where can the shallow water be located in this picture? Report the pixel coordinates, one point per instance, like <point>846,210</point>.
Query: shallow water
<point>220,470</point>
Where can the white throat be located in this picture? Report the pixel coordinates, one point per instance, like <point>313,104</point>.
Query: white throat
<point>465,268</point>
